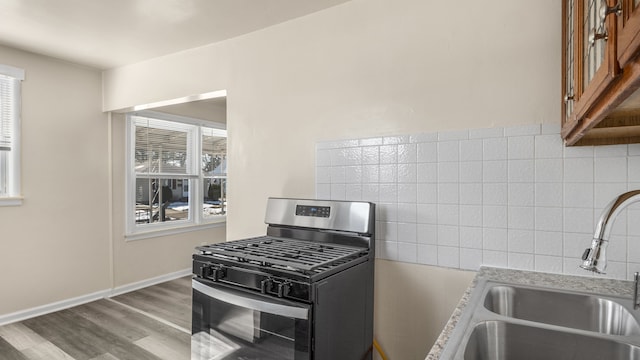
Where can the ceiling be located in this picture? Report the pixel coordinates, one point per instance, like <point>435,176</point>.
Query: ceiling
<point>110,33</point>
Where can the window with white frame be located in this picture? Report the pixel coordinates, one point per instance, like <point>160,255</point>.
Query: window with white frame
<point>177,172</point>
<point>10,81</point>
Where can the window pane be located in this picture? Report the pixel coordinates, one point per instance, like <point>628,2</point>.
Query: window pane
<point>215,203</point>
<point>161,200</point>
<point>161,147</point>
<point>214,171</point>
<point>9,143</point>
<point>3,173</point>
<point>214,152</point>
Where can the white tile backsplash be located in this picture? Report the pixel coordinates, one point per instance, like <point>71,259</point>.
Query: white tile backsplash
<point>389,173</point>
<point>609,169</point>
<point>428,152</point>
<point>520,171</point>
<point>521,194</point>
<point>494,171</point>
<point>486,133</point>
<point>427,234</point>
<point>548,146</point>
<point>448,235</point>
<point>407,153</point>
<point>407,173</point>
<point>407,252</point>
<point>494,239</point>
<point>428,254</point>
<point>520,147</point>
<point>520,261</point>
<point>494,258</point>
<point>494,216</point>
<point>449,256</point>
<point>471,194</point>
<point>610,151</point>
<point>427,172</point>
<point>389,154</point>
<point>549,170</point>
<point>448,172</point>
<point>471,150</point>
<point>521,241</point>
<point>634,149</point>
<point>495,149</point>
<point>470,259</point>
<point>579,170</point>
<point>522,130</point>
<point>471,215</point>
<point>471,237</point>
<point>448,151</point>
<point>633,167</point>
<point>509,197</point>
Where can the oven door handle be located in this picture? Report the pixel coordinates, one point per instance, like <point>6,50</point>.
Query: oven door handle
<point>251,301</point>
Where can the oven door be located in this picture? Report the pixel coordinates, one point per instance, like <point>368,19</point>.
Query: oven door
<point>234,324</point>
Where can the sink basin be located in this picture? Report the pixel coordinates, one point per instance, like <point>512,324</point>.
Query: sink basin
<point>577,311</point>
<point>499,340</point>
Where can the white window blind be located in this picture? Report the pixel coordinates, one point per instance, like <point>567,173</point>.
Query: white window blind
<point>10,79</point>
<point>8,110</point>
<point>162,147</point>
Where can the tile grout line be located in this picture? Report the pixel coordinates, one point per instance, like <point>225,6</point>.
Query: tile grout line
<point>142,312</point>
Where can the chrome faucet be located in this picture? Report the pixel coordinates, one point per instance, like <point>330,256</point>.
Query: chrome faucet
<point>595,257</point>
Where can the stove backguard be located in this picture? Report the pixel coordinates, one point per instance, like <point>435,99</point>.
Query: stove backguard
<point>347,216</point>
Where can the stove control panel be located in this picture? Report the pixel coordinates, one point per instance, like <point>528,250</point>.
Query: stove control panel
<point>314,211</point>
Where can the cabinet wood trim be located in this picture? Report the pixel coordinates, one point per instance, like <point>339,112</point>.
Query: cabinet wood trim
<point>629,35</point>
<point>626,84</point>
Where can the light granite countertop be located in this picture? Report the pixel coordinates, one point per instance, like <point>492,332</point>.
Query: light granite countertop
<point>557,281</point>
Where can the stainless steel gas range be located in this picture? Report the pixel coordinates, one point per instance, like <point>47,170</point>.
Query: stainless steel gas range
<point>303,291</point>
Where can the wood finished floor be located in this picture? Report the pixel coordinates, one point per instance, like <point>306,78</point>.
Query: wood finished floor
<point>148,324</point>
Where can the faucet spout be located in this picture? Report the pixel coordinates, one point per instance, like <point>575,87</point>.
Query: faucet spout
<point>594,258</point>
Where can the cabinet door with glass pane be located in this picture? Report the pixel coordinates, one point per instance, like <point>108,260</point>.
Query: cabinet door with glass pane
<point>589,60</point>
<point>629,31</point>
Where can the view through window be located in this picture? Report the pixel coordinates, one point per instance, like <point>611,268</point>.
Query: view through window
<point>179,171</point>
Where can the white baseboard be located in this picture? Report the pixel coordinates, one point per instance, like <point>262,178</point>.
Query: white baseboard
<point>65,304</point>
<point>149,282</point>
<point>52,307</point>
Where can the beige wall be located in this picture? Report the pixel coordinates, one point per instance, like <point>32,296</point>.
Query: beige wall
<point>211,110</point>
<point>56,245</point>
<point>364,68</point>
<point>410,314</point>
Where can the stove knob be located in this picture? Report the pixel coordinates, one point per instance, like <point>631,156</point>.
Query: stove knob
<point>218,273</point>
<point>265,286</point>
<point>283,289</point>
<point>205,271</point>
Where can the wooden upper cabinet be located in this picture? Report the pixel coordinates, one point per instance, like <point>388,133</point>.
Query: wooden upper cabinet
<point>601,72</point>
<point>629,31</point>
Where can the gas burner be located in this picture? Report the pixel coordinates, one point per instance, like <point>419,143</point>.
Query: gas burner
<point>290,254</point>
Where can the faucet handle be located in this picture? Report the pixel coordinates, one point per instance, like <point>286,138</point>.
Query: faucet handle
<point>585,255</point>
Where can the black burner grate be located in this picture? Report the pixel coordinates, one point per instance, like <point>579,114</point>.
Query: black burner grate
<point>296,254</point>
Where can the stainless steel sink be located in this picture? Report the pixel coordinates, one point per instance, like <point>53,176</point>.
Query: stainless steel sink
<point>499,340</point>
<point>578,311</point>
<point>506,321</point>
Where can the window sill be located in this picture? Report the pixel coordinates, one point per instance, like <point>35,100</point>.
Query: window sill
<point>173,231</point>
<point>11,201</point>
